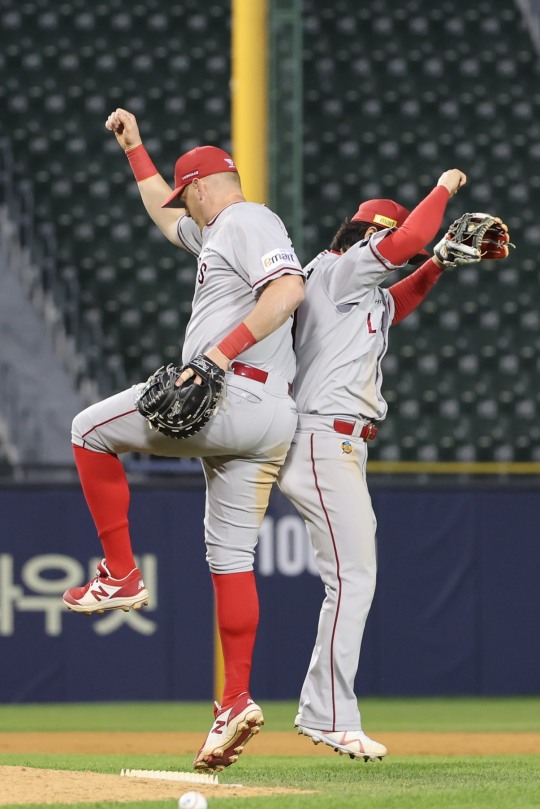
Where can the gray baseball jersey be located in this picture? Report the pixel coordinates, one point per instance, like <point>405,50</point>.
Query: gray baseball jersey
<point>341,338</point>
<point>342,333</point>
<point>238,252</point>
<point>245,443</point>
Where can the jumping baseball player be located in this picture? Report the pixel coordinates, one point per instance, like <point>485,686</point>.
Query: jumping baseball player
<point>340,340</point>
<point>248,284</point>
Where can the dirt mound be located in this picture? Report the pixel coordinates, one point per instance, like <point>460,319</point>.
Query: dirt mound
<point>29,785</point>
<point>19,785</point>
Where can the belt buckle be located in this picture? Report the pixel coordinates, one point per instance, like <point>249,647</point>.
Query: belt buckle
<point>371,431</point>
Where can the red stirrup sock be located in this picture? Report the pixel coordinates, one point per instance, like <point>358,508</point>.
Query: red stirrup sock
<point>237,605</point>
<point>106,491</point>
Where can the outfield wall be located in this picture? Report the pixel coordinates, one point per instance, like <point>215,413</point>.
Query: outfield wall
<point>457,610</point>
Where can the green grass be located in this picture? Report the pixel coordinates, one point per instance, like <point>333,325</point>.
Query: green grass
<point>415,782</point>
<point>491,782</point>
<point>457,714</point>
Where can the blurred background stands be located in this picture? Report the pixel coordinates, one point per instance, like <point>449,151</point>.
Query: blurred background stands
<point>64,68</point>
<point>393,96</point>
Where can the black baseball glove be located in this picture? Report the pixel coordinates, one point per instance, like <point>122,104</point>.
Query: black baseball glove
<point>179,412</point>
<point>473,237</point>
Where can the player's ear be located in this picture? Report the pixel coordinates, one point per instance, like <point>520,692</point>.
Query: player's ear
<point>370,231</point>
<point>198,189</point>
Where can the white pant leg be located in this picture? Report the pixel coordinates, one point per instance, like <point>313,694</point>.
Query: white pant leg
<point>243,447</point>
<point>238,488</point>
<point>328,487</point>
<point>252,421</point>
<point>115,426</point>
<point>237,493</point>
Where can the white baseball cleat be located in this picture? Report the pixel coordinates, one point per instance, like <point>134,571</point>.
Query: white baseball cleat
<point>233,727</point>
<point>353,743</point>
<point>105,593</point>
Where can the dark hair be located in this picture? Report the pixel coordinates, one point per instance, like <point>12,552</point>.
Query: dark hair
<point>349,233</point>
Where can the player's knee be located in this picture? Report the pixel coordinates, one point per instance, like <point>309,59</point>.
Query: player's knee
<point>84,434</point>
<point>77,430</point>
<point>221,560</point>
<point>228,567</point>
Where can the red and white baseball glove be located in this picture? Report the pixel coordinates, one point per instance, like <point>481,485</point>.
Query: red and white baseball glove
<point>473,237</point>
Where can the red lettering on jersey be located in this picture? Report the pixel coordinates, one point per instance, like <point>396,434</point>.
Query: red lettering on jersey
<point>370,328</point>
<point>202,272</point>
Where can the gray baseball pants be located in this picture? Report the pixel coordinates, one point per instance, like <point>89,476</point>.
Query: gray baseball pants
<point>241,448</point>
<point>324,476</point>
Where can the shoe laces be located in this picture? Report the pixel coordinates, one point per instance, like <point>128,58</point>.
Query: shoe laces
<point>103,571</point>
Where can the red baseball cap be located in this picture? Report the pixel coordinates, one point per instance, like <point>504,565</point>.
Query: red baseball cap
<point>383,212</point>
<point>199,162</point>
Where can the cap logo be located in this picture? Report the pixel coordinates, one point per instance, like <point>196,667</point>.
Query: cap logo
<point>379,219</point>
<point>190,174</point>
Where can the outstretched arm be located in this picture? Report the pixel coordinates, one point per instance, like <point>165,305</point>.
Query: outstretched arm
<point>423,223</point>
<point>411,291</point>
<point>153,188</point>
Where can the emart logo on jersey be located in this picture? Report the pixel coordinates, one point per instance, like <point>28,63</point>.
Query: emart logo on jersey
<point>275,257</point>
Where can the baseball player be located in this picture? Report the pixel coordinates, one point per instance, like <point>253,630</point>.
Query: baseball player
<point>248,284</point>
<point>340,340</point>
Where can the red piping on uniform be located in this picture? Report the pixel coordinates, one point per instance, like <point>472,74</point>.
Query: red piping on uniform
<point>339,583</point>
<point>288,270</point>
<point>127,413</point>
<point>384,262</point>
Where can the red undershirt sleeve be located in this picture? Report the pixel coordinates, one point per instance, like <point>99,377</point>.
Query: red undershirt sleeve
<point>419,228</point>
<point>411,291</point>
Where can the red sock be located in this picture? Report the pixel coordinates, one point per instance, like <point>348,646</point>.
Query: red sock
<point>237,605</point>
<point>106,491</point>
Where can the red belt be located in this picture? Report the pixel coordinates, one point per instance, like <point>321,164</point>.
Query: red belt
<point>368,431</point>
<point>252,373</point>
<point>248,370</point>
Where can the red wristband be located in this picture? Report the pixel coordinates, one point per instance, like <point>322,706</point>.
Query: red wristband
<point>237,341</point>
<point>141,163</point>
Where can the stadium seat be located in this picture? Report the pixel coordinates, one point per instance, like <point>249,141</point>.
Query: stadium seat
<point>393,95</point>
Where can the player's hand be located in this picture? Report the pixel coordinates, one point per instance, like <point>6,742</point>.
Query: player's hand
<point>124,125</point>
<point>452,180</point>
<point>215,355</point>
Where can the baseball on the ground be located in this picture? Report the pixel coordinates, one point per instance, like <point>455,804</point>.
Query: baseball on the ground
<point>192,800</point>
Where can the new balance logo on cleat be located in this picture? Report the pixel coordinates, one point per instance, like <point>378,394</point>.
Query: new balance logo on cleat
<point>218,725</point>
<point>100,593</point>
<point>106,593</point>
<point>232,729</point>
